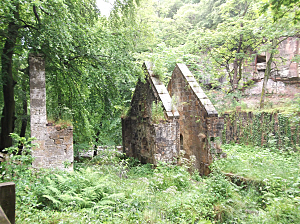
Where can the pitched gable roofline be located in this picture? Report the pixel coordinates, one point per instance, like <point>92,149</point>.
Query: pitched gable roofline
<point>203,99</point>
<point>161,92</point>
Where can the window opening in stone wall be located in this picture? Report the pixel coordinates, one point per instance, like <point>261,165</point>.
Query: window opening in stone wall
<point>181,142</point>
<point>260,63</point>
<point>144,144</point>
<point>261,58</point>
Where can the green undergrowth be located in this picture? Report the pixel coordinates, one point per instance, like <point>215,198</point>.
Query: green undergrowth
<point>274,176</point>
<point>112,189</point>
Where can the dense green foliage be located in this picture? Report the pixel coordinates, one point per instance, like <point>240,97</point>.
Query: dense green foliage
<point>112,189</point>
<point>281,8</point>
<point>92,65</point>
<point>93,62</point>
<point>90,68</point>
<point>216,38</point>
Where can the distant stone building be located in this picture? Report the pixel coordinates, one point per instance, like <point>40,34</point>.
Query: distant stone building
<point>285,71</point>
<point>285,74</point>
<point>283,67</point>
<point>189,122</point>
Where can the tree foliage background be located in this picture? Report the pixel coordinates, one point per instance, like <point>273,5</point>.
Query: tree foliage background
<point>93,62</point>
<point>89,65</point>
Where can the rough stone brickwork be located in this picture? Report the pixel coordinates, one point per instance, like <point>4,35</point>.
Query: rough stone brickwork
<point>284,72</point>
<point>257,129</point>
<point>284,69</point>
<point>55,148</point>
<point>190,122</point>
<point>59,148</point>
<point>199,122</point>
<point>287,70</point>
<point>8,201</point>
<point>143,138</point>
<point>38,114</point>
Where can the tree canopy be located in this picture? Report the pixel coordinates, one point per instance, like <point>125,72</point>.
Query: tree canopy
<point>87,60</point>
<point>93,62</point>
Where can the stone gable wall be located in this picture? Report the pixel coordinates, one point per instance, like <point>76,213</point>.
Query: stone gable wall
<point>191,122</point>
<point>147,141</point>
<point>198,118</point>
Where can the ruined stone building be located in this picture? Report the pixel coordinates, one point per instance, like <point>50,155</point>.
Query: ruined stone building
<point>55,144</point>
<point>189,121</point>
<point>144,138</point>
<point>283,67</point>
<point>285,72</point>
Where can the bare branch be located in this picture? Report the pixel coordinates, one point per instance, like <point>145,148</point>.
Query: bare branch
<point>43,10</point>
<point>36,14</point>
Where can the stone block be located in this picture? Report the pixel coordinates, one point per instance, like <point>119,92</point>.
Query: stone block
<point>8,200</point>
<point>68,139</point>
<point>58,141</point>
<point>49,142</point>
<point>3,217</point>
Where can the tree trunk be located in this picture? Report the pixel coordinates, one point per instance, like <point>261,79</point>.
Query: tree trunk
<point>24,102</point>
<point>267,75</point>
<point>236,64</point>
<point>8,115</point>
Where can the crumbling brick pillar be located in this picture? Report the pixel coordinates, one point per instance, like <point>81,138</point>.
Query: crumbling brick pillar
<point>38,114</point>
<point>55,144</point>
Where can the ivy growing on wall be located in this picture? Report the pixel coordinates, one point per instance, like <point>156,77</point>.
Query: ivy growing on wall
<point>261,128</point>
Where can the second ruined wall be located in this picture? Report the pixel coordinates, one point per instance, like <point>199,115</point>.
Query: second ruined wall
<point>199,123</point>
<point>137,131</point>
<point>262,129</point>
<point>144,139</point>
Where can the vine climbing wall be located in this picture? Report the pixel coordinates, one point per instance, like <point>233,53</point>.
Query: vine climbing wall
<point>271,129</point>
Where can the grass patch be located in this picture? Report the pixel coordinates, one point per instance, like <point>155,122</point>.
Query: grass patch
<point>113,189</point>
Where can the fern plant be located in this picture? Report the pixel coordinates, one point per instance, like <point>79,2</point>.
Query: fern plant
<point>18,158</point>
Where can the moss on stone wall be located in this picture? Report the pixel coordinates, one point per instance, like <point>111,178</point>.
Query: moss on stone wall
<point>262,129</point>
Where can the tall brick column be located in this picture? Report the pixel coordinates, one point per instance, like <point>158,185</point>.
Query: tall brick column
<point>55,148</point>
<point>38,114</point>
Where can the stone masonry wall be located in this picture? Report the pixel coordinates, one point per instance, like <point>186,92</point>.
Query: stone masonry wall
<point>38,114</point>
<point>55,145</point>
<point>287,69</point>
<point>59,145</point>
<point>198,118</point>
<point>139,139</point>
<point>147,141</point>
<point>261,129</point>
<point>167,141</point>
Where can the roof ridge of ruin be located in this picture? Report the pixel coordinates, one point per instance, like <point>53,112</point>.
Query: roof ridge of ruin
<point>158,86</point>
<point>202,97</point>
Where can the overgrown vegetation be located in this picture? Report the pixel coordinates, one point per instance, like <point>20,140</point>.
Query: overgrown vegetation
<point>157,112</point>
<point>112,189</point>
<point>92,65</point>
